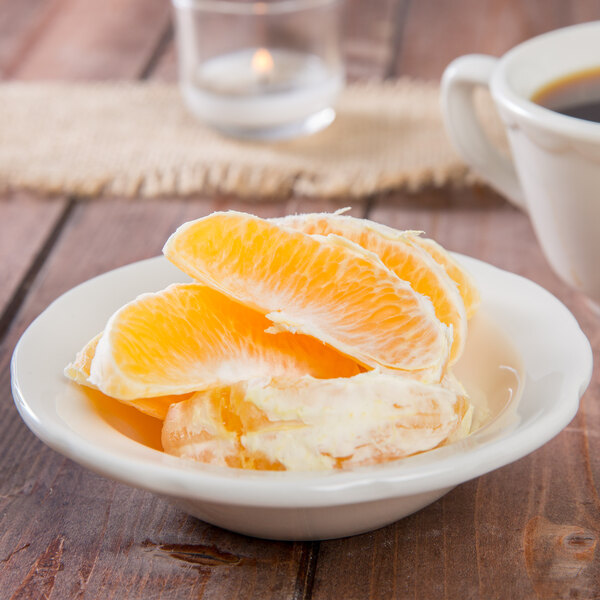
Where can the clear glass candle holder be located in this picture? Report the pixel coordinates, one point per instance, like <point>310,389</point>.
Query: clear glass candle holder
<point>260,70</point>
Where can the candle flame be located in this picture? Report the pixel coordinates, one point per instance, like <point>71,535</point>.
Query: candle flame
<point>262,61</point>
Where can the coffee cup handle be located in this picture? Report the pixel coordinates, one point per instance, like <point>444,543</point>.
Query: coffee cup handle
<point>459,81</point>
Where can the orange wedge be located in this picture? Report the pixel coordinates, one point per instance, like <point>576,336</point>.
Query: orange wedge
<point>326,287</point>
<point>466,286</point>
<point>309,424</point>
<point>403,256</point>
<point>190,337</point>
<point>79,371</point>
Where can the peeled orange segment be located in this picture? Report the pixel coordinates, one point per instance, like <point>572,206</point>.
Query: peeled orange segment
<point>466,285</point>
<point>326,287</point>
<point>406,259</point>
<point>189,337</point>
<point>79,371</point>
<point>158,406</point>
<point>311,424</point>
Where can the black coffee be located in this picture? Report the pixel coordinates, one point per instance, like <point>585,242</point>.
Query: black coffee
<point>576,95</point>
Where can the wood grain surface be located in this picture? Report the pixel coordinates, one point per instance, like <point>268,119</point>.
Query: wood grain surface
<point>528,530</point>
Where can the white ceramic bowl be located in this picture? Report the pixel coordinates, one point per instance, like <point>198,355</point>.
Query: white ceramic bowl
<point>556,366</point>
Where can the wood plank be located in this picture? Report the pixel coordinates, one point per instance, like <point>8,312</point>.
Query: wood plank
<point>436,32</point>
<point>96,40</point>
<point>67,532</point>
<point>526,530</point>
<point>20,22</point>
<point>27,224</point>
<point>368,41</point>
<point>27,221</point>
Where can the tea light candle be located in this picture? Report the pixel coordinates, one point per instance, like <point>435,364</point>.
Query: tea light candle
<point>264,93</point>
<point>260,70</point>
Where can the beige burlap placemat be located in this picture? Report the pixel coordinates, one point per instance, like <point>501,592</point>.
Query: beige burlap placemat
<point>138,139</point>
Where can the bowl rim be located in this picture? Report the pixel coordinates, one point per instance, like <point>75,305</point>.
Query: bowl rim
<point>179,478</point>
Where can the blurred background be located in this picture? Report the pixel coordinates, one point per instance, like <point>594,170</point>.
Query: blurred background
<point>133,39</point>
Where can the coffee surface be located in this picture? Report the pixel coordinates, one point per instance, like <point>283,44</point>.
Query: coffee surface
<point>575,95</point>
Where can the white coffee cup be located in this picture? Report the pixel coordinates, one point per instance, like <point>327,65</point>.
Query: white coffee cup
<point>554,174</point>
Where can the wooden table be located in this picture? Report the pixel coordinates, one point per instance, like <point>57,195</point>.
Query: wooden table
<point>527,530</point>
